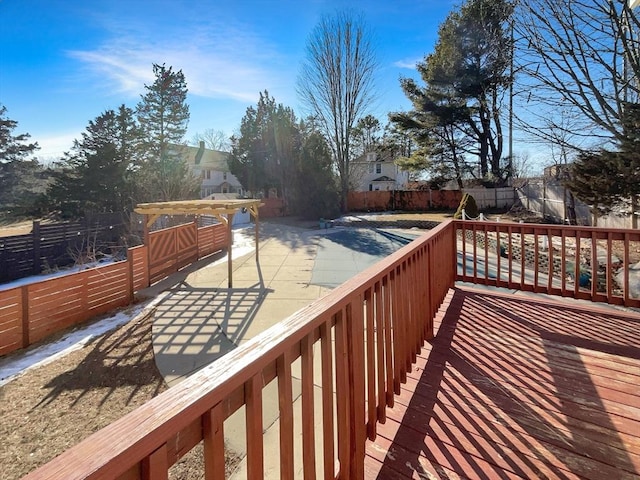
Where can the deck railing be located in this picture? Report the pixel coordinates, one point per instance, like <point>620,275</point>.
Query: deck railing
<point>363,338</point>
<point>351,351</point>
<point>586,263</point>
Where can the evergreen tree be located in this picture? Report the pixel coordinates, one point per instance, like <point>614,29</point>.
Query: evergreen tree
<point>610,179</point>
<point>163,115</point>
<point>315,186</point>
<point>262,156</point>
<point>456,113</point>
<point>95,176</point>
<point>21,179</point>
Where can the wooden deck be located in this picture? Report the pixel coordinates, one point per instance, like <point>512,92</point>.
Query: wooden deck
<point>517,388</point>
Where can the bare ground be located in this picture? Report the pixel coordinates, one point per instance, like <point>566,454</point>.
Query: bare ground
<point>49,409</point>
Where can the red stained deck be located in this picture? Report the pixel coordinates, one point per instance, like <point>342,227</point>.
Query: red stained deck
<point>517,388</point>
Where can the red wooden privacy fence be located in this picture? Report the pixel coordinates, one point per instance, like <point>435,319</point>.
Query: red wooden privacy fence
<point>32,312</point>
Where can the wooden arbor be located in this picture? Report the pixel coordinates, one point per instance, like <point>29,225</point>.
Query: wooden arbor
<point>223,210</point>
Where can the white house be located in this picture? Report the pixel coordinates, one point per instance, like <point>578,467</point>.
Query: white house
<point>213,168</point>
<point>374,172</point>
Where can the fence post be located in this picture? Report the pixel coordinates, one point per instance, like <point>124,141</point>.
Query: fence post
<point>35,234</point>
<point>24,293</point>
<point>130,275</point>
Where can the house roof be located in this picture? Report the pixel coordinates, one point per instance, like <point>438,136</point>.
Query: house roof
<point>205,158</point>
<point>383,178</point>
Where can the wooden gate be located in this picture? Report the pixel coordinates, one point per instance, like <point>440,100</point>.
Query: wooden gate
<point>171,249</point>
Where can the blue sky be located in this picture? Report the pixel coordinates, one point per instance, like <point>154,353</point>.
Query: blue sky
<point>63,63</point>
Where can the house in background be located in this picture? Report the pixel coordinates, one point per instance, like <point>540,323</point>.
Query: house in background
<point>213,168</point>
<point>373,171</point>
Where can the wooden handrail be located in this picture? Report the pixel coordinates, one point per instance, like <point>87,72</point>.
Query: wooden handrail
<point>383,313</point>
<point>586,263</point>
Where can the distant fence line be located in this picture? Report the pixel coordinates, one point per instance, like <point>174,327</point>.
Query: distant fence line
<point>32,312</point>
<point>550,199</point>
<point>54,245</point>
<point>421,200</point>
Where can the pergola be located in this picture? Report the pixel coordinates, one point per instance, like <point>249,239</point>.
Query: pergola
<point>223,210</point>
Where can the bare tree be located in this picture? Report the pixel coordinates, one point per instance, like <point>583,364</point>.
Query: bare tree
<point>578,58</point>
<point>213,140</point>
<point>336,83</point>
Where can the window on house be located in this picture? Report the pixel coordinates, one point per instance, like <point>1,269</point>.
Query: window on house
<point>224,175</point>
<point>371,157</point>
<point>208,174</point>
<point>371,168</point>
<point>378,168</point>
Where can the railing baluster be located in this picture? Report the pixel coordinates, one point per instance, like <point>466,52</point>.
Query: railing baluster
<point>308,410</point>
<point>536,256</point>
<point>285,402</point>
<point>343,394</point>
<point>213,431</point>
<point>255,446</point>
<point>156,466</point>
<point>609,271</point>
<point>625,268</point>
<point>356,355</point>
<point>380,352</point>
<point>327,401</point>
<point>370,365</point>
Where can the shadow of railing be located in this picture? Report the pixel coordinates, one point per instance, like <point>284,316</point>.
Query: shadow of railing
<point>520,386</point>
<point>119,359</point>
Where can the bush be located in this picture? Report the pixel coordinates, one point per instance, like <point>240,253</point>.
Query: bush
<point>468,203</point>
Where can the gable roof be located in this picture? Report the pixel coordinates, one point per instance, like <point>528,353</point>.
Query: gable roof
<point>383,178</point>
<point>204,158</point>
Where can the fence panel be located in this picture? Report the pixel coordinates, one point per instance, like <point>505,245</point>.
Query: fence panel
<point>187,244</point>
<point>107,288</point>
<point>162,254</point>
<point>11,307</point>
<point>56,304</point>
<point>212,239</point>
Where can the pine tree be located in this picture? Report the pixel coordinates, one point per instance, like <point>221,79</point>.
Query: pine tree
<point>21,178</point>
<point>163,115</point>
<point>95,176</point>
<point>456,114</point>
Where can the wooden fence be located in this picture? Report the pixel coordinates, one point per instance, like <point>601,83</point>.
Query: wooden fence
<point>30,313</point>
<point>411,200</point>
<point>54,245</point>
<point>366,335</point>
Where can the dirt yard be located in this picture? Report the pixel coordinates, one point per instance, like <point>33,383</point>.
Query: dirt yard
<point>49,409</point>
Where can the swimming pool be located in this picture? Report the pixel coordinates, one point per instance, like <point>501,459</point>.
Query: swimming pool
<point>346,252</point>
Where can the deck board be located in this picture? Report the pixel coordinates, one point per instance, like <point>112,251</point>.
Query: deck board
<point>516,387</point>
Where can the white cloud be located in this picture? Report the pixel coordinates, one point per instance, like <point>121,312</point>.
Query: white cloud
<point>228,64</point>
<point>408,64</point>
<point>53,146</point>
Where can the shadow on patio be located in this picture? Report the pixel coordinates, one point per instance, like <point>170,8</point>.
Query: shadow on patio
<point>195,326</point>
